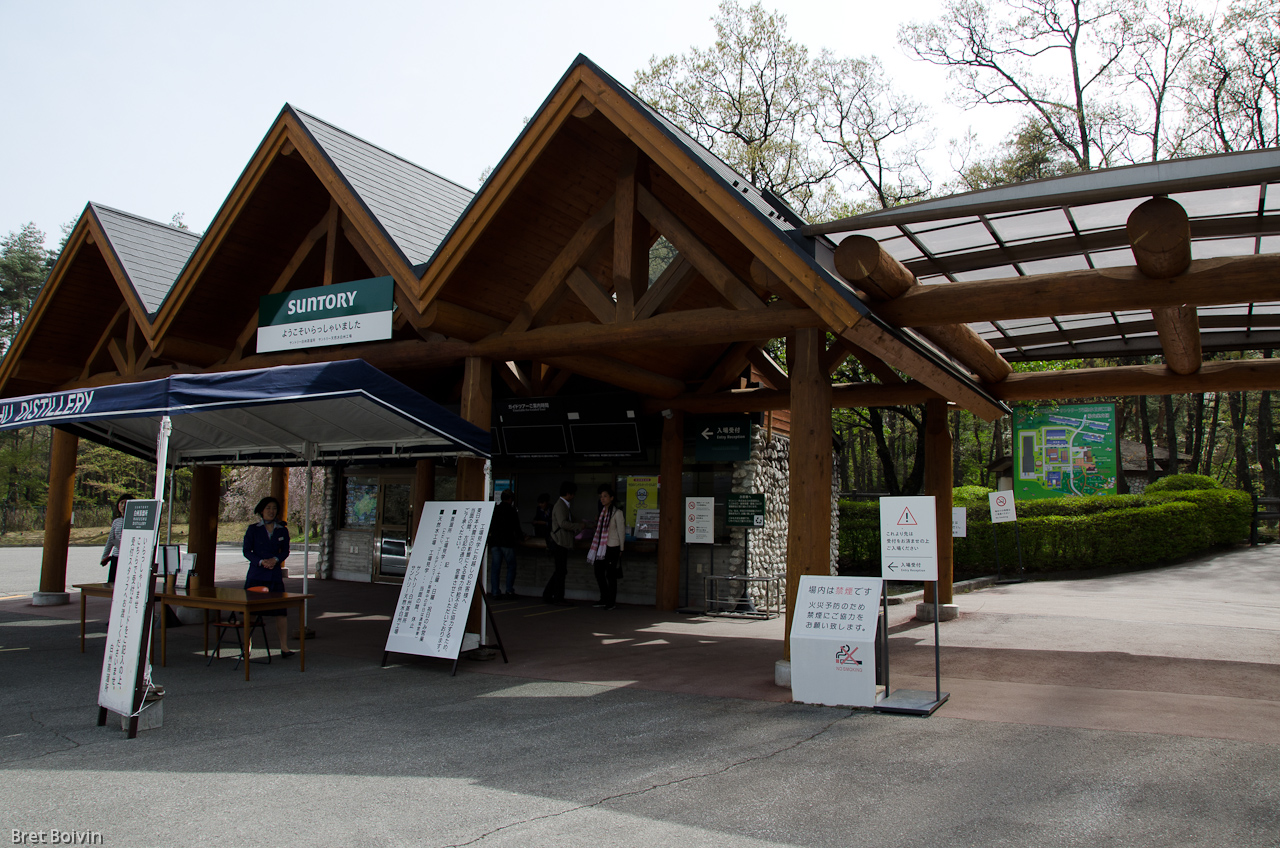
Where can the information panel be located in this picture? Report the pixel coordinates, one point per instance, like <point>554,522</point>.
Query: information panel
<point>699,521</point>
<point>908,538</point>
<point>441,577</point>
<point>1064,451</point>
<point>126,633</point>
<point>744,510</point>
<point>959,522</point>
<point>833,631</point>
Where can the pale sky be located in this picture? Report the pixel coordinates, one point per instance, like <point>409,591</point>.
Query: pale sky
<point>155,108</point>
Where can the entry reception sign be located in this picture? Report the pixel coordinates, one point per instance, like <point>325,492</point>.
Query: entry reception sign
<point>127,632</point>
<point>440,579</point>
<point>329,315</point>
<point>833,632</point>
<point>908,538</point>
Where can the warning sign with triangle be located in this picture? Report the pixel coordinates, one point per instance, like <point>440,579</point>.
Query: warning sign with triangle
<point>907,518</point>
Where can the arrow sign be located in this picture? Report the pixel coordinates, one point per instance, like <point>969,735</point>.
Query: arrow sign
<point>708,433</point>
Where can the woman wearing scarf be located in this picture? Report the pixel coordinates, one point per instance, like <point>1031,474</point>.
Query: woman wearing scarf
<point>606,548</point>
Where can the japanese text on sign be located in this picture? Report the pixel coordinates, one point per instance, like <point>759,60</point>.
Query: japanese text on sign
<point>908,539</point>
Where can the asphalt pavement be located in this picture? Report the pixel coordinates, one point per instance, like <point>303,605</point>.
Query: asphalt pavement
<point>349,753</point>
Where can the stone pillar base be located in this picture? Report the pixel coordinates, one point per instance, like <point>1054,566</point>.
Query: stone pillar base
<point>782,673</point>
<point>50,599</point>
<point>946,612</point>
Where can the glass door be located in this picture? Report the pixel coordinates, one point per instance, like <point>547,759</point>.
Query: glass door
<point>392,542</point>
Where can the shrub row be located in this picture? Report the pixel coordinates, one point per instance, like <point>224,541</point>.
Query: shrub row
<point>1069,534</point>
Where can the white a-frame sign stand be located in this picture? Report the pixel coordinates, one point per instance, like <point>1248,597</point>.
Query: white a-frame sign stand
<point>909,551</point>
<point>443,571</point>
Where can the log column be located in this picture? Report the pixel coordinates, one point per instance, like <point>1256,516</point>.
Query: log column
<point>670,510</point>
<point>477,408</point>
<point>206,493</point>
<point>280,489</point>
<point>809,515</point>
<point>424,487</point>
<point>57,521</point>
<point>938,482</point>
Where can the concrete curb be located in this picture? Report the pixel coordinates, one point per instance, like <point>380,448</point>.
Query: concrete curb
<point>960,588</point>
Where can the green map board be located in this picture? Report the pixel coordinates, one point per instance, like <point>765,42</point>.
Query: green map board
<point>1064,451</point>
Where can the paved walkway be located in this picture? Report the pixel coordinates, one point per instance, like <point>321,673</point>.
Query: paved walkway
<point>1140,709</point>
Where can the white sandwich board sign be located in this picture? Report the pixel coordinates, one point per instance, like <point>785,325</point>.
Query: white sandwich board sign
<point>908,539</point>
<point>127,631</point>
<point>440,579</point>
<point>1003,508</point>
<point>833,632</point>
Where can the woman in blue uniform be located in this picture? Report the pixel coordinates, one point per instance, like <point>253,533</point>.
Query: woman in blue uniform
<point>266,544</point>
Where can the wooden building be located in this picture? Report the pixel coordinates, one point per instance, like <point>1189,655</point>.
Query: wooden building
<point>538,286</point>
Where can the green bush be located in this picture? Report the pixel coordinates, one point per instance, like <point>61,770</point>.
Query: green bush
<point>970,496</point>
<point>1183,483</point>
<point>1065,534</point>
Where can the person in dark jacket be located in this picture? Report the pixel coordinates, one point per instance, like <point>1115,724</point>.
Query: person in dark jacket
<point>505,534</point>
<point>111,550</point>
<point>266,544</point>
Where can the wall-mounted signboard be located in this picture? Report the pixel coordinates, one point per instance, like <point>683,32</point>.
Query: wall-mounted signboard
<point>555,428</point>
<point>1064,451</point>
<point>722,438</point>
<point>343,313</point>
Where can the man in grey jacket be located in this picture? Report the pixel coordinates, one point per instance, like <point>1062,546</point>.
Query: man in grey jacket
<point>563,528</point>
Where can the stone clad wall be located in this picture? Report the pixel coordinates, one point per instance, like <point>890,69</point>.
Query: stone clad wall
<point>767,472</point>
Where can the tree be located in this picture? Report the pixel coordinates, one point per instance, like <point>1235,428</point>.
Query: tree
<point>793,126</point>
<point>24,265</point>
<point>1030,153</point>
<point>1058,60</point>
<point>1236,102</point>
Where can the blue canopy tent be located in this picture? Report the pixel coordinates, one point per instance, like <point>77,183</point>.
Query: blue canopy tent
<point>286,415</point>
<point>289,415</point>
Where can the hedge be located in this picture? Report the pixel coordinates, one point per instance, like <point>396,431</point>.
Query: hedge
<point>1070,534</point>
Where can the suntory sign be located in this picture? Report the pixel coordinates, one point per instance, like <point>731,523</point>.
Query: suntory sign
<point>330,315</point>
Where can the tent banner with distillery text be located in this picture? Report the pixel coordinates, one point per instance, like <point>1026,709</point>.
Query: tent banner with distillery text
<point>444,567</point>
<point>128,629</point>
<point>342,313</point>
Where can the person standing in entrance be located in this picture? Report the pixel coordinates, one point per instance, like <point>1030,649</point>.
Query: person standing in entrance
<point>563,528</point>
<point>266,544</point>
<point>111,550</point>
<point>504,535</point>
<point>606,548</point>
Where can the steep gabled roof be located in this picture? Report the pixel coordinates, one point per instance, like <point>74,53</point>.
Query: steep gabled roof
<point>414,206</point>
<point>152,254</point>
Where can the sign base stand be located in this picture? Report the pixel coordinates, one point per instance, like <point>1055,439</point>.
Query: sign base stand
<point>912,702</point>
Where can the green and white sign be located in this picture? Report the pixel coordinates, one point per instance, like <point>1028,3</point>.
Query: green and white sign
<point>1064,451</point>
<point>344,313</point>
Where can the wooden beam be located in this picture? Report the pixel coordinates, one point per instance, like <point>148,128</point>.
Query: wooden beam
<point>708,264</point>
<point>769,370</point>
<point>367,254</point>
<point>670,510</point>
<point>862,261</point>
<point>666,290</point>
<point>584,108</point>
<point>190,351</point>
<point>1215,376</point>
<point>118,356</point>
<point>618,373</point>
<point>880,344</point>
<point>1160,237</point>
<point>685,328</point>
<point>938,465</point>
<point>843,396</point>
<point>459,322</point>
<point>282,280</point>
<point>877,367</point>
<point>809,467</point>
<point>630,236</point>
<point>131,344</point>
<point>1207,282</point>
<point>731,365</point>
<point>331,241</point>
<point>1179,330</point>
<point>593,295</point>
<point>552,387</point>
<point>767,281</point>
<point>101,345</point>
<point>515,378</point>
<point>540,301</point>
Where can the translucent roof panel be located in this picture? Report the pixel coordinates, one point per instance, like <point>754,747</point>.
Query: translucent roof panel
<point>1072,223</point>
